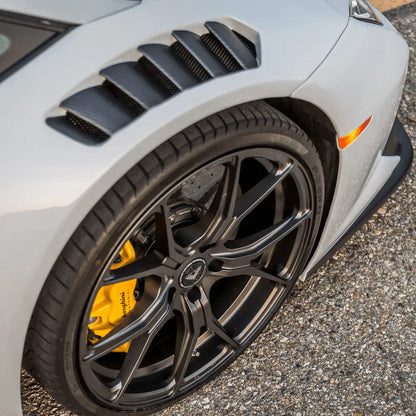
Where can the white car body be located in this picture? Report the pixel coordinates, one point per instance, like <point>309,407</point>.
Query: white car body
<point>311,51</point>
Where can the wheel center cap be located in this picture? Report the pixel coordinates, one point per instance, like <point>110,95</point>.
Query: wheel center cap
<point>193,273</point>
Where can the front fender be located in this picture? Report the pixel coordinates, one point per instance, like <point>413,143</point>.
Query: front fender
<point>49,182</point>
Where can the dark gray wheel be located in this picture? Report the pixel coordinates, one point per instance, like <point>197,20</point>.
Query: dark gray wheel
<point>180,265</point>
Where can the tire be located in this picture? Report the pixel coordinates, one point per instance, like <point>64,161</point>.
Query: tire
<point>222,218</point>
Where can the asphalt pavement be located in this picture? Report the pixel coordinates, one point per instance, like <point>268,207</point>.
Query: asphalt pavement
<point>345,342</point>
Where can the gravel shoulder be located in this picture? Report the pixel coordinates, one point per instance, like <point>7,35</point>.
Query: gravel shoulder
<point>345,342</point>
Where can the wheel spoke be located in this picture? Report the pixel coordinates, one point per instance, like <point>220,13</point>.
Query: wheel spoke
<point>213,324</point>
<point>221,332</point>
<point>137,351</point>
<point>194,316</point>
<point>165,243</point>
<point>189,325</point>
<point>252,198</point>
<point>141,320</point>
<point>249,248</point>
<point>211,279</point>
<point>255,270</point>
<point>150,265</point>
<point>219,215</point>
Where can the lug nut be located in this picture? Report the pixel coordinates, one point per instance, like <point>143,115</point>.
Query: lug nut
<point>196,212</point>
<point>215,266</point>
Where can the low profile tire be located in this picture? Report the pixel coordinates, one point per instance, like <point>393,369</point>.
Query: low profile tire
<point>222,218</point>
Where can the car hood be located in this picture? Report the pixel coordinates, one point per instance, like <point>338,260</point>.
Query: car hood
<point>70,11</point>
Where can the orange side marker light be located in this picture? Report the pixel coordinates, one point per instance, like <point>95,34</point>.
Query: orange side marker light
<point>350,138</point>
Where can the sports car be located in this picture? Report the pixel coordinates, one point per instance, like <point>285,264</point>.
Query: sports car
<point>168,170</point>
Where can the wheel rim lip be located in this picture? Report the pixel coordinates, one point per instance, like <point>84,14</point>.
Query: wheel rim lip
<point>131,399</point>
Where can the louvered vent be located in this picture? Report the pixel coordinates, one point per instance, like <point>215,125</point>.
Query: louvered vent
<point>131,88</point>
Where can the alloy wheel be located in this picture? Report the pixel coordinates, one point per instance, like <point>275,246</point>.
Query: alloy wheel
<point>215,255</point>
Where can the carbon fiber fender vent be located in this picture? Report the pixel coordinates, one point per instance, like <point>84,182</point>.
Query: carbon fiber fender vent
<point>129,89</point>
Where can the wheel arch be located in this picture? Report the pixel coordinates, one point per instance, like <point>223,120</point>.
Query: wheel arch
<point>322,132</point>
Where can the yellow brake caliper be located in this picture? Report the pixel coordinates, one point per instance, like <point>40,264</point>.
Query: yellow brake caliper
<point>113,303</point>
